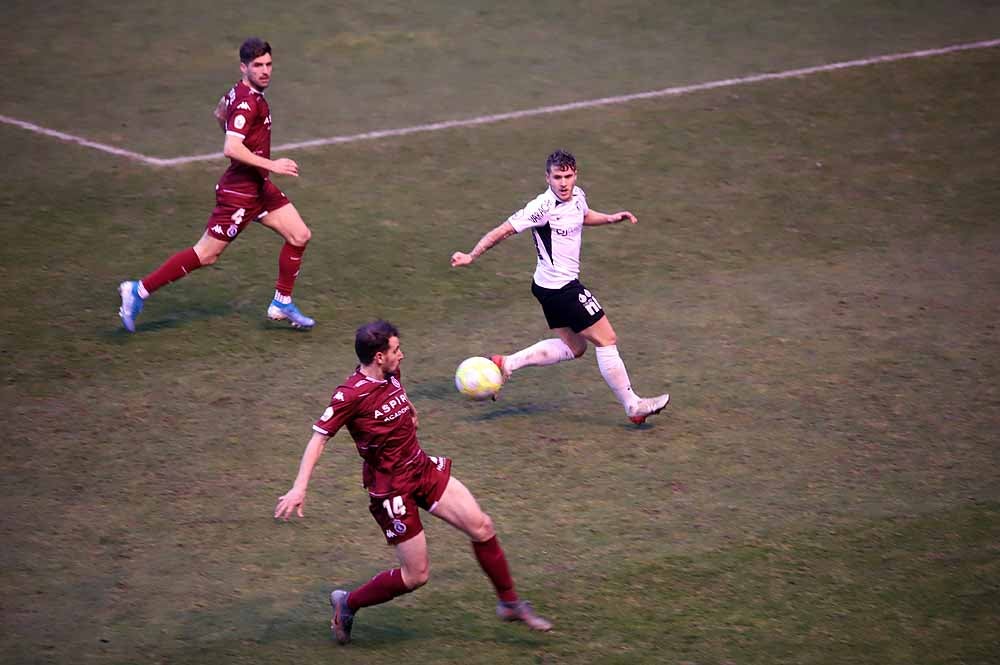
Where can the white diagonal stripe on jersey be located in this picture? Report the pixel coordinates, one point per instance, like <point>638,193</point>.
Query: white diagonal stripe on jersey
<point>514,115</point>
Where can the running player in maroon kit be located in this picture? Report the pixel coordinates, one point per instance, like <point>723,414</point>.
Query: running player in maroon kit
<point>244,194</point>
<point>400,478</point>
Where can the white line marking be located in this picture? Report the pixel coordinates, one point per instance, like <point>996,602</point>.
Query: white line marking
<point>514,115</point>
<point>63,136</point>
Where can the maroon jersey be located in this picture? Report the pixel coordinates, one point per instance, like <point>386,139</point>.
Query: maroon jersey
<point>380,419</point>
<point>248,117</point>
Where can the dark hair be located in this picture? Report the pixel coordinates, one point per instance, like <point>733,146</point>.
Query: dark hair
<point>561,160</point>
<point>372,338</point>
<point>253,48</point>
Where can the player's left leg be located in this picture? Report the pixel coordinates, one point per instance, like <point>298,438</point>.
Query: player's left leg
<point>286,222</point>
<point>602,335</point>
<point>459,508</point>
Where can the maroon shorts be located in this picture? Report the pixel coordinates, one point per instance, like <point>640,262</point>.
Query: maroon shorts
<point>235,210</point>
<point>397,514</point>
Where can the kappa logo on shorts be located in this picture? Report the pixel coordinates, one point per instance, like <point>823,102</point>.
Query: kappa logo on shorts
<point>217,229</point>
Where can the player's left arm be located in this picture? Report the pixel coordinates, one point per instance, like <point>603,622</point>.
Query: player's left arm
<point>595,218</point>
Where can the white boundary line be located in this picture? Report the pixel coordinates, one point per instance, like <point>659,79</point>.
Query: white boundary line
<point>512,115</point>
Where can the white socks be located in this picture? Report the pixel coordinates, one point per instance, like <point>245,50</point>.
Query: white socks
<point>546,352</point>
<point>614,373</point>
<point>552,351</point>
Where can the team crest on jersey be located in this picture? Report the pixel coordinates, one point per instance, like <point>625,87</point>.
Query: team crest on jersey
<point>395,382</point>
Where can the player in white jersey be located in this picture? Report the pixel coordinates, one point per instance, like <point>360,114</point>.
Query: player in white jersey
<point>556,218</point>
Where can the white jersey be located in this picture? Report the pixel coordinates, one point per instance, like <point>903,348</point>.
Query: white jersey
<point>558,231</point>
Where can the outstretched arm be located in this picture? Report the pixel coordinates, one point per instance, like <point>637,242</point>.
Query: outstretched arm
<point>505,230</point>
<point>295,499</point>
<point>594,218</point>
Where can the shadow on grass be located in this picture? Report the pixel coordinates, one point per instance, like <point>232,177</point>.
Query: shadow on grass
<point>254,625</point>
<point>509,410</point>
<point>176,319</point>
<point>181,318</point>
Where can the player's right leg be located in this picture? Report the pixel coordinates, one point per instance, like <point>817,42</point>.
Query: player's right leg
<point>205,252</point>
<point>412,573</point>
<point>545,352</point>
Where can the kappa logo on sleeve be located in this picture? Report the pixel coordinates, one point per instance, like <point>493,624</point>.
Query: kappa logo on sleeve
<point>244,106</point>
<point>339,396</point>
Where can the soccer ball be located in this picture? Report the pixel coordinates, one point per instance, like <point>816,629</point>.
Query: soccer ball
<point>478,378</point>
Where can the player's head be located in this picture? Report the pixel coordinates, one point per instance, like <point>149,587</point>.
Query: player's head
<point>377,343</point>
<point>255,62</point>
<point>560,173</point>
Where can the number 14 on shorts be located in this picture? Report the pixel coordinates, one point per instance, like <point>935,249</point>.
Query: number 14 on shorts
<point>396,507</point>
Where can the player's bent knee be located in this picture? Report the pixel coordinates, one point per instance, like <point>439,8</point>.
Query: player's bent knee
<point>484,530</point>
<point>414,579</point>
<point>301,238</point>
<point>208,258</point>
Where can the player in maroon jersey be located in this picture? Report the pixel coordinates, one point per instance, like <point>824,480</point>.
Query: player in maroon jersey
<point>400,478</point>
<point>244,194</point>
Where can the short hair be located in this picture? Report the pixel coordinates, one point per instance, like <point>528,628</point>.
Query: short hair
<point>372,338</point>
<point>560,159</point>
<point>253,48</point>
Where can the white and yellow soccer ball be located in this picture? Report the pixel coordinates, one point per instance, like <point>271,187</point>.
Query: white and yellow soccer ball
<point>478,378</point>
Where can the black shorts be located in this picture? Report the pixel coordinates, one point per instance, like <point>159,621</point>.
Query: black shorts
<point>573,306</point>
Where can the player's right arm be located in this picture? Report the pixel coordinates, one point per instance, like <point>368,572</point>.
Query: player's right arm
<point>234,149</point>
<point>489,240</point>
<point>294,500</point>
<point>342,407</point>
<point>221,111</point>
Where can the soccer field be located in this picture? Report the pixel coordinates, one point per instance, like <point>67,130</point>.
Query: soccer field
<point>814,279</point>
